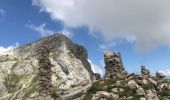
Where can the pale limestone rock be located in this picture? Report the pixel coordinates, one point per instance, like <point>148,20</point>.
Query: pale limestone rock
<point>2,88</point>
<point>143,98</point>
<point>114,90</point>
<point>105,94</point>
<point>23,68</point>
<point>145,81</point>
<point>7,66</point>
<point>133,85</point>
<point>151,95</point>
<point>153,81</point>
<point>115,96</point>
<point>121,90</point>
<point>23,62</point>
<point>140,91</point>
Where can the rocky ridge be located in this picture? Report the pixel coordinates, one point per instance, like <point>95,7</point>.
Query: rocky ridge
<point>19,68</point>
<point>128,86</point>
<point>54,68</point>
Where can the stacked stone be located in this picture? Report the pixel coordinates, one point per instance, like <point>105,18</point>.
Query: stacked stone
<point>113,65</point>
<point>45,71</point>
<point>160,75</point>
<point>145,73</point>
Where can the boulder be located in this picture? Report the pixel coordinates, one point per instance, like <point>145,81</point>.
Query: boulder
<point>151,95</point>
<point>160,75</point>
<point>97,76</point>
<point>133,85</point>
<point>114,90</point>
<point>140,92</point>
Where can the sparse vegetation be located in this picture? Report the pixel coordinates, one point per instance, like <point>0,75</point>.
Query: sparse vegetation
<point>11,82</point>
<point>98,86</point>
<point>70,55</point>
<point>16,59</point>
<point>164,93</point>
<point>58,77</point>
<point>32,88</point>
<point>55,55</point>
<point>147,86</point>
<point>14,65</point>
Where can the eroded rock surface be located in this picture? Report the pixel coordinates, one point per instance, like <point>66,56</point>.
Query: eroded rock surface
<point>19,67</point>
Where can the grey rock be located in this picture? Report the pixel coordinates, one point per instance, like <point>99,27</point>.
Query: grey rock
<point>63,67</point>
<point>140,91</point>
<point>160,75</point>
<point>151,95</point>
<point>114,90</point>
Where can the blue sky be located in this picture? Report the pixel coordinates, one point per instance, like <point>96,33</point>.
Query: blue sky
<point>139,30</point>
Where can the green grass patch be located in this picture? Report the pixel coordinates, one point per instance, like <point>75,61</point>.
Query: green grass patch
<point>164,93</point>
<point>99,86</point>
<point>32,88</point>
<point>11,82</point>
<point>55,55</point>
<point>147,86</point>
<point>70,55</point>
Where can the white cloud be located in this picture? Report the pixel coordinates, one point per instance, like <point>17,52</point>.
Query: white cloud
<point>67,33</point>
<point>96,68</point>
<point>147,21</point>
<point>107,45</point>
<point>40,29</point>
<point>2,12</point>
<point>43,31</point>
<point>4,50</point>
<point>166,72</point>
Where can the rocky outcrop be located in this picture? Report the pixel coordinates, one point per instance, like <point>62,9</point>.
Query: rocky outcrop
<point>57,42</point>
<point>20,67</point>
<point>131,86</point>
<point>59,70</point>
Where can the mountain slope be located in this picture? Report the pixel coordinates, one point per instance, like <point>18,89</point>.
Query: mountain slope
<point>19,67</point>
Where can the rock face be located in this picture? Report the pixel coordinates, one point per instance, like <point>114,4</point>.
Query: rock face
<point>58,43</point>
<point>20,67</point>
<point>114,66</point>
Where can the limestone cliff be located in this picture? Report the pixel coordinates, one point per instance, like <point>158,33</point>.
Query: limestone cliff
<point>19,67</point>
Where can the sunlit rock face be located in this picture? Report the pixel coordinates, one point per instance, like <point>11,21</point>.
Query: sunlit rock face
<point>19,67</point>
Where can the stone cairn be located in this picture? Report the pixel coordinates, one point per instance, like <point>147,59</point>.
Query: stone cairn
<point>113,65</point>
<point>45,72</point>
<point>145,73</point>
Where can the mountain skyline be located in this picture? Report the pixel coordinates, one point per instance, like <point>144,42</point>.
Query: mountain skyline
<point>141,35</point>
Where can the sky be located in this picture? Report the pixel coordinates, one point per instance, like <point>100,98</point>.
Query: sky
<point>140,30</point>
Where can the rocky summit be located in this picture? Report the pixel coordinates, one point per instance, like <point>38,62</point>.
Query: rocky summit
<point>25,71</point>
<point>55,68</point>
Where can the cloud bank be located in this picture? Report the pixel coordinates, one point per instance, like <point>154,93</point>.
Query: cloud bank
<point>2,12</point>
<point>43,31</point>
<point>4,50</point>
<point>40,29</point>
<point>148,21</point>
<point>166,73</point>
